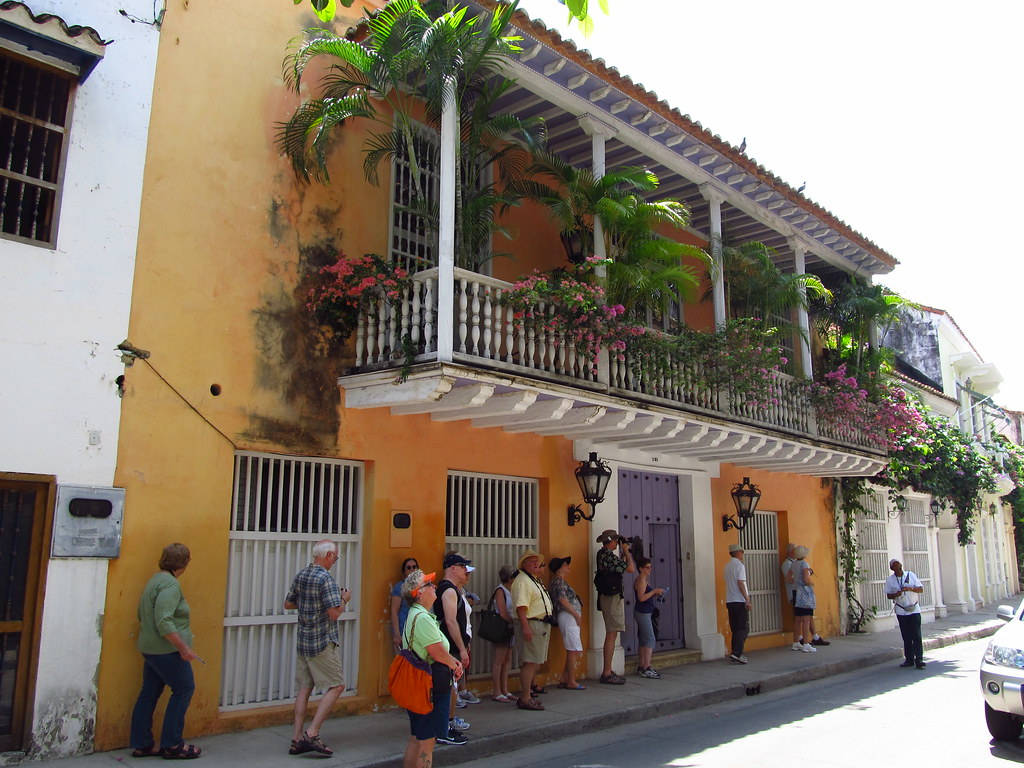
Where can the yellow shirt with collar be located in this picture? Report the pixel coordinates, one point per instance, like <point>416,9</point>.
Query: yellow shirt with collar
<point>531,594</point>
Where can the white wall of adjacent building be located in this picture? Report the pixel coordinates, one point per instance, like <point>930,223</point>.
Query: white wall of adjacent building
<point>64,311</point>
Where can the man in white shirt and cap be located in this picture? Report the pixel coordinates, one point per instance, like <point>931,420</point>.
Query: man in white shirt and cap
<point>737,602</point>
<point>904,589</point>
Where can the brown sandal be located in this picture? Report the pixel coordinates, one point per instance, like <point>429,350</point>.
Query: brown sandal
<point>530,704</point>
<point>181,752</point>
<point>150,751</point>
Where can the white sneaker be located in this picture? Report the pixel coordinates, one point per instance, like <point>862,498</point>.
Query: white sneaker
<point>797,647</point>
<point>458,724</point>
<point>469,697</point>
<point>460,702</point>
<point>808,648</point>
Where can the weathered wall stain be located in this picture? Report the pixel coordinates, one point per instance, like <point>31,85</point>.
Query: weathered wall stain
<point>295,359</point>
<point>64,725</point>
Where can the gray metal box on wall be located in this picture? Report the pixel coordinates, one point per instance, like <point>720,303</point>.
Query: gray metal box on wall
<point>87,521</point>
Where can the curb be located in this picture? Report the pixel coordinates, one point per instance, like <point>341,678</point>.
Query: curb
<point>510,741</point>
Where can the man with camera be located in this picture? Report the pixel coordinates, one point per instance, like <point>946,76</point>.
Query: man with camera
<point>533,625</point>
<point>608,580</point>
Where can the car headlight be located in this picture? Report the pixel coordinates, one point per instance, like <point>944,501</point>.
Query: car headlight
<point>1004,655</point>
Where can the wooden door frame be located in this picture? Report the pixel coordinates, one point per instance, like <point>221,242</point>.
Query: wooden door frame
<point>47,485</point>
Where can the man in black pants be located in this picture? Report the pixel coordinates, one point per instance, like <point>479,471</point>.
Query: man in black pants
<point>904,588</point>
<point>737,602</point>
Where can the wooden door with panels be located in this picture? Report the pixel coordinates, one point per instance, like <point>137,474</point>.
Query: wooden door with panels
<point>22,522</point>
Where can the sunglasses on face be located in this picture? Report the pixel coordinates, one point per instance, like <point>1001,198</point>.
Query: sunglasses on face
<point>411,567</point>
<point>428,585</point>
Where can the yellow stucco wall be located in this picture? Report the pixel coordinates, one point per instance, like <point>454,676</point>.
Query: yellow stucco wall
<point>804,507</point>
<point>227,241</point>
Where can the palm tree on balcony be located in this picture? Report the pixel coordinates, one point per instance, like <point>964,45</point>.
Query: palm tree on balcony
<point>848,323</point>
<point>411,55</point>
<point>646,269</point>
<point>756,288</point>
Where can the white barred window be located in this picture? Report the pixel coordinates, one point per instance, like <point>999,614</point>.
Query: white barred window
<point>415,188</point>
<point>492,520</point>
<point>760,541</point>
<point>874,551</point>
<point>914,528</point>
<point>281,506</point>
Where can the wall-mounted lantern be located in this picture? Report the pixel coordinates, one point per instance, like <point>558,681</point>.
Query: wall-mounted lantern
<point>593,476</point>
<point>936,508</point>
<point>992,508</point>
<point>745,496</point>
<point>899,506</point>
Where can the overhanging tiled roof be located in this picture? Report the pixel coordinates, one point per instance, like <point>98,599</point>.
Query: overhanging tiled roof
<point>560,82</point>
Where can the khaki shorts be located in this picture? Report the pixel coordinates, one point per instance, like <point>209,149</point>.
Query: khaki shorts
<point>613,609</point>
<point>536,650</point>
<point>319,672</point>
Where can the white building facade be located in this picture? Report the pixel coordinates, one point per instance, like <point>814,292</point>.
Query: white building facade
<point>76,93</point>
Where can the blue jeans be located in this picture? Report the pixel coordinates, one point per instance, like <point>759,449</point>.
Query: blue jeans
<point>159,670</point>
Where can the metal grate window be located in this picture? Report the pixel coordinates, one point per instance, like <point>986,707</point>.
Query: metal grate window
<point>34,117</point>
<point>915,546</point>
<point>415,193</point>
<point>281,506</point>
<point>874,552</point>
<point>760,542</point>
<point>492,520</point>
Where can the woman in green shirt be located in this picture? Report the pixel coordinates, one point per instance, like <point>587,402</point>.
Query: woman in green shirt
<point>165,641</point>
<point>423,636</point>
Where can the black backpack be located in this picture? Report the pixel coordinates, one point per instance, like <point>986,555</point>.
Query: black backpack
<point>608,583</point>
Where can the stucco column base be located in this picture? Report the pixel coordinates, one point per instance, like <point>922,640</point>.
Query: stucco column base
<point>941,612</point>
<point>958,608</point>
<point>712,646</point>
<point>595,661</point>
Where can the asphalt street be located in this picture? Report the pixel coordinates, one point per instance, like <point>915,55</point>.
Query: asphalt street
<point>875,716</point>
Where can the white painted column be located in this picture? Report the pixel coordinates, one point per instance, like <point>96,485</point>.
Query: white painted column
<point>446,228</point>
<point>599,134</point>
<point>952,566</point>
<point>706,578</point>
<point>803,323</point>
<point>938,591</point>
<point>715,197</point>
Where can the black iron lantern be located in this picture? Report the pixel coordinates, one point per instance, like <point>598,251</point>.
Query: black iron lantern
<point>593,476</point>
<point>936,508</point>
<point>745,496</point>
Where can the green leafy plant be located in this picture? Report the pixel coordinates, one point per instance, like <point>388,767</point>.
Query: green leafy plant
<point>737,360</point>
<point>849,506</point>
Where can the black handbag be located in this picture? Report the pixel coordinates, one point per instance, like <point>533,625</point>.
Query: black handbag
<point>492,627</point>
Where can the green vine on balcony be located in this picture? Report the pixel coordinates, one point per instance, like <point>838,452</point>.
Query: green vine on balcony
<point>739,359</point>
<point>852,491</point>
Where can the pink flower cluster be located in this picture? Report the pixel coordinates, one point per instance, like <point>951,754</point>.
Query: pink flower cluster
<point>576,311</point>
<point>348,285</point>
<point>844,405</point>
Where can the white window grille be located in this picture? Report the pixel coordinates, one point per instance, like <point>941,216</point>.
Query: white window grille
<point>874,551</point>
<point>413,236</point>
<point>914,528</point>
<point>492,520</point>
<point>281,506</point>
<point>760,542</point>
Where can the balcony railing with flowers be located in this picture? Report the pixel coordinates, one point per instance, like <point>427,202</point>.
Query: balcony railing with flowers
<point>488,332</point>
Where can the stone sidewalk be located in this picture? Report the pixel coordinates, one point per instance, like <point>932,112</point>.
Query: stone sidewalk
<point>377,740</point>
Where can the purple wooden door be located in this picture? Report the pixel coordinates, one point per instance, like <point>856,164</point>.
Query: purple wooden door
<point>649,508</point>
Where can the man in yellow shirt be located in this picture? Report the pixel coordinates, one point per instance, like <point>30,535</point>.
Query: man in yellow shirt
<point>533,626</point>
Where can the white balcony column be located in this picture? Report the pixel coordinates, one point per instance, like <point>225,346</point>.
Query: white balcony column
<point>803,323</point>
<point>715,197</point>
<point>446,227</point>
<point>599,134</point>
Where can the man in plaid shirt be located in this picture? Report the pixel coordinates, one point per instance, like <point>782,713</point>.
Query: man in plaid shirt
<point>610,567</point>
<point>316,595</point>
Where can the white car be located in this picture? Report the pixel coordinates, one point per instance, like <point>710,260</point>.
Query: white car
<point>1002,676</point>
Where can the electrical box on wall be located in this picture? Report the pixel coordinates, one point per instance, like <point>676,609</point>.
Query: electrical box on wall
<point>401,530</point>
<point>87,521</point>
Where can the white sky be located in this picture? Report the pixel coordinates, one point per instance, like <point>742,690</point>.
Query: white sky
<point>903,117</point>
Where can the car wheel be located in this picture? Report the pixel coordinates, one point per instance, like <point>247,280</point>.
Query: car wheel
<point>1002,726</point>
